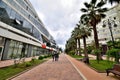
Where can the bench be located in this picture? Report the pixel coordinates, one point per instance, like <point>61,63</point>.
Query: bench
<point>115,70</point>
<point>85,60</point>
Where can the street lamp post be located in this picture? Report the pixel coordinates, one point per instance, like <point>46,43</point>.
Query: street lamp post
<point>110,23</point>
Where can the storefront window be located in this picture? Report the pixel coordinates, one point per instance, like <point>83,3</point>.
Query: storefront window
<point>20,48</point>
<point>38,52</point>
<point>11,49</point>
<point>34,51</point>
<point>17,50</point>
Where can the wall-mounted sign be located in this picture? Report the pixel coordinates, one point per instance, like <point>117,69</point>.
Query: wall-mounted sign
<point>43,46</point>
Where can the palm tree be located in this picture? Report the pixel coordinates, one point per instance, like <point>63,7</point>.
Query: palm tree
<point>85,32</point>
<point>70,45</point>
<point>93,13</point>
<point>76,36</point>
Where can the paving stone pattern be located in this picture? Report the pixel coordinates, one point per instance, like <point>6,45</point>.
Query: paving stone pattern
<point>52,70</point>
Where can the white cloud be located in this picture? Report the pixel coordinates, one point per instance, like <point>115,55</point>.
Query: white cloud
<point>59,16</point>
<point>67,4</point>
<point>41,16</point>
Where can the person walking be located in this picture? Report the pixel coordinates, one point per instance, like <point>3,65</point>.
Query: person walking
<point>56,56</point>
<point>53,56</point>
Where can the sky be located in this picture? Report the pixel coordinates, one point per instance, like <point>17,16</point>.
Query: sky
<point>59,17</point>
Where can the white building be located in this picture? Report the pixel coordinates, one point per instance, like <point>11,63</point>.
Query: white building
<point>112,20</point>
<point>104,34</point>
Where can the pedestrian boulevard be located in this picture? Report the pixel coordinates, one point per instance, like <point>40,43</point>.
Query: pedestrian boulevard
<point>66,68</point>
<point>52,70</point>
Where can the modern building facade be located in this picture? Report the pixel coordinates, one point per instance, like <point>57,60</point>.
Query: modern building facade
<point>22,33</point>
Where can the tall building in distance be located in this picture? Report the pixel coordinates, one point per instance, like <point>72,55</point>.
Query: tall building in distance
<point>22,33</point>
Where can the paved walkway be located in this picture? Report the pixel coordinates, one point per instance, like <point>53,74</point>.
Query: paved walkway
<point>67,68</point>
<point>57,70</point>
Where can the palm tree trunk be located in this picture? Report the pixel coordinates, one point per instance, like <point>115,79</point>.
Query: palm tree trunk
<point>96,37</point>
<point>79,47</point>
<point>76,52</point>
<point>96,41</point>
<point>85,51</point>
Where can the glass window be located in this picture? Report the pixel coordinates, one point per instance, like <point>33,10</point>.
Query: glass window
<point>21,3</point>
<point>36,34</point>
<point>19,17</point>
<point>11,50</point>
<point>28,26</point>
<point>12,14</point>
<point>3,5</point>
<point>35,51</point>
<point>15,49</point>
<point>8,9</point>
<point>20,48</point>
<point>11,2</point>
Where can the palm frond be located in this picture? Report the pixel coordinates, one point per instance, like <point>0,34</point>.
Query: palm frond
<point>84,10</point>
<point>102,10</point>
<point>84,18</point>
<point>100,4</point>
<point>78,25</point>
<point>102,15</point>
<point>84,15</point>
<point>93,1</point>
<point>85,32</point>
<point>87,5</point>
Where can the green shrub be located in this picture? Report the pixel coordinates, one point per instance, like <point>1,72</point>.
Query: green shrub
<point>33,59</point>
<point>72,52</point>
<point>41,57</point>
<point>114,53</point>
<point>27,64</point>
<point>90,48</point>
<point>96,51</point>
<point>45,56</point>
